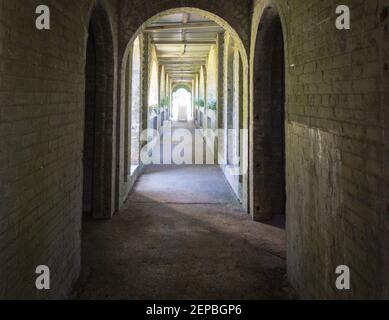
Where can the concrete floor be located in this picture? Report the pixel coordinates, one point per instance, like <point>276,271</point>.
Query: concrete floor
<point>182,235</point>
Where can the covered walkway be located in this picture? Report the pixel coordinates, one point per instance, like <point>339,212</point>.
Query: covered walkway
<point>182,235</point>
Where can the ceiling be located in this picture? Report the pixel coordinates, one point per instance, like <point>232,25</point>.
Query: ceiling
<point>183,42</point>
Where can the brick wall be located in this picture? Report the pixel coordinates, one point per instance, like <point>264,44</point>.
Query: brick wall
<point>129,117</point>
<point>336,121</point>
<point>382,35</point>
<point>41,136</point>
<point>334,144</point>
<point>42,95</point>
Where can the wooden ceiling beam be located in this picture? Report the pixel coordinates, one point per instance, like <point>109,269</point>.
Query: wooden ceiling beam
<point>188,77</point>
<point>177,55</point>
<point>182,69</point>
<point>179,26</point>
<point>177,58</point>
<point>183,58</point>
<point>176,61</point>
<point>187,42</point>
<point>182,72</point>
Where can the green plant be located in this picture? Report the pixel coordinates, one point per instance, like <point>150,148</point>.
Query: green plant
<point>165,102</point>
<point>199,102</point>
<point>212,104</point>
<point>155,108</point>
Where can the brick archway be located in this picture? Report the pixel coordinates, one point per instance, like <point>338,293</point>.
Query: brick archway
<point>268,163</point>
<point>177,87</point>
<point>235,13</point>
<point>98,131</point>
<point>131,29</point>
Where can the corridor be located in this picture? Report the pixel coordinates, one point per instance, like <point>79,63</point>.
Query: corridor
<point>182,235</point>
<point>194,149</point>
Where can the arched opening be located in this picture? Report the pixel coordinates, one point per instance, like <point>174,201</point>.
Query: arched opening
<point>182,105</point>
<point>229,112</point>
<point>269,195</point>
<point>153,97</point>
<point>186,46</point>
<point>192,198</point>
<point>98,127</point>
<point>135,104</point>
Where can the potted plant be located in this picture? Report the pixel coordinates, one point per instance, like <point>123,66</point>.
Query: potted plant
<point>212,104</point>
<point>199,102</point>
<point>211,109</point>
<point>154,110</point>
<point>165,103</point>
<point>164,106</point>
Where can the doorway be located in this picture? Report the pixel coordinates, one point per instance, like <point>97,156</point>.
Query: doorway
<point>269,194</point>
<point>97,153</point>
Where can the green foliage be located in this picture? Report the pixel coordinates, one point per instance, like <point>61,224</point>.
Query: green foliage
<point>199,102</point>
<point>155,109</point>
<point>165,102</point>
<point>212,104</point>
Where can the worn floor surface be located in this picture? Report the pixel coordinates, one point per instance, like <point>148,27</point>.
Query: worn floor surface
<point>182,235</point>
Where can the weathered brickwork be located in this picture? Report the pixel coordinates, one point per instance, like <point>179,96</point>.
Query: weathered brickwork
<point>336,135</point>
<point>42,93</point>
<point>130,106</point>
<point>384,36</point>
<point>334,148</point>
<point>41,122</point>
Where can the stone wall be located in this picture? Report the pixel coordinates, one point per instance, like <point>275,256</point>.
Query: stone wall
<point>334,144</point>
<point>336,136</point>
<point>130,120</point>
<point>212,72</point>
<point>42,94</point>
<point>384,85</point>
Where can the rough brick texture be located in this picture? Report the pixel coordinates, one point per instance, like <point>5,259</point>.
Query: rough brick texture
<point>42,94</point>
<point>42,85</point>
<point>336,136</point>
<point>335,120</point>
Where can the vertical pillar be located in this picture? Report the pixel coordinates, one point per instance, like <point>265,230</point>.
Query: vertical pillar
<point>241,113</point>
<point>161,89</point>
<point>127,115</point>
<point>220,96</point>
<point>205,97</point>
<point>229,97</point>
<point>145,80</point>
<point>171,98</point>
<point>193,98</point>
<point>220,78</point>
<point>160,74</point>
<point>236,102</point>
<point>196,98</point>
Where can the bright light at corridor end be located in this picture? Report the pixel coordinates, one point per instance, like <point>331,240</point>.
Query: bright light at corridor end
<point>182,105</point>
